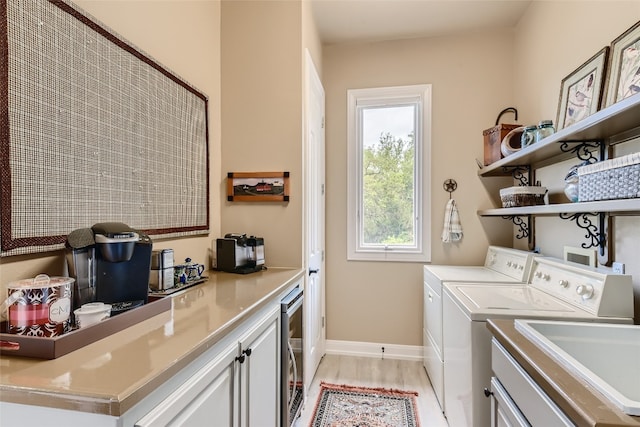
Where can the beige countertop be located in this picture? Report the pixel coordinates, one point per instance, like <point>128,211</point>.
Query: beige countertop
<point>582,404</point>
<point>111,375</point>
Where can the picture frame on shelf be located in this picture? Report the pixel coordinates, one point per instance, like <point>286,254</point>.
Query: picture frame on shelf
<point>581,91</point>
<point>624,66</point>
<point>258,186</point>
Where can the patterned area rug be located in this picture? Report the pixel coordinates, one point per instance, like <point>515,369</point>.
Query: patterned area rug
<point>347,406</point>
<point>294,410</point>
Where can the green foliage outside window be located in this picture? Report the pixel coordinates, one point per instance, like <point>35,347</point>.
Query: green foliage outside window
<point>388,191</point>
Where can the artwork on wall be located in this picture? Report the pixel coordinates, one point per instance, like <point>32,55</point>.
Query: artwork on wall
<point>92,129</point>
<point>258,186</point>
<point>581,91</point>
<point>624,66</point>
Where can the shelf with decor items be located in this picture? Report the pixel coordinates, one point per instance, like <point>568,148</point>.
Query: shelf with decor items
<point>589,140</point>
<point>614,124</point>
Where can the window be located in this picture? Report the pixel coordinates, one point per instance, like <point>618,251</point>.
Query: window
<point>389,133</point>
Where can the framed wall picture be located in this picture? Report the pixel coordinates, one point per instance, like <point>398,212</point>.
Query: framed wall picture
<point>258,186</point>
<point>624,66</point>
<point>581,91</point>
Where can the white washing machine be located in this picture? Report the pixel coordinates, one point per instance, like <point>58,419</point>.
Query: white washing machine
<point>556,290</point>
<point>502,265</point>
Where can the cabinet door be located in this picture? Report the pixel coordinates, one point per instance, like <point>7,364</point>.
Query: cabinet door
<point>207,398</point>
<point>259,374</point>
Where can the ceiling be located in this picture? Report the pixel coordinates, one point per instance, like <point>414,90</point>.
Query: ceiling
<point>342,21</point>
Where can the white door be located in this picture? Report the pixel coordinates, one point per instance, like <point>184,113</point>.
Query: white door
<point>314,309</point>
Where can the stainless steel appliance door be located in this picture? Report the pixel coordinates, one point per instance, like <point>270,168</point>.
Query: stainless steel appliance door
<point>291,356</point>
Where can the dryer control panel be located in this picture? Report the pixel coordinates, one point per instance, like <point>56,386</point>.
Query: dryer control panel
<point>510,262</point>
<point>594,290</point>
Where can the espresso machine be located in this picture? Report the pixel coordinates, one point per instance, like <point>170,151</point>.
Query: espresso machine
<point>237,253</point>
<point>111,263</point>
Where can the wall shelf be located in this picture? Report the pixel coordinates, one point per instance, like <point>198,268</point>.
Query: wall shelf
<point>617,119</point>
<point>613,207</point>
<point>614,124</point>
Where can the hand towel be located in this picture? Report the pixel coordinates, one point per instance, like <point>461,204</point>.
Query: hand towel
<point>452,230</point>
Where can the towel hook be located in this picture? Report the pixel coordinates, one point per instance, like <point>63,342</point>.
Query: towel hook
<point>450,186</point>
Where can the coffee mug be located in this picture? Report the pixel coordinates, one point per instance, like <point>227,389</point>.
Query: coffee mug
<point>180,275</point>
<point>40,306</point>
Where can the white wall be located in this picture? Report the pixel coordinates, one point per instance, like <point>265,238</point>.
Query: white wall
<point>474,76</point>
<point>472,80</point>
<point>262,69</point>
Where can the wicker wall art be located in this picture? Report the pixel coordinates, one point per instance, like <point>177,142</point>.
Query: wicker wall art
<point>93,130</point>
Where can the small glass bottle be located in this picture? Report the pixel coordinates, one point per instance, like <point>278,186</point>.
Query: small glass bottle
<point>528,136</point>
<point>545,128</point>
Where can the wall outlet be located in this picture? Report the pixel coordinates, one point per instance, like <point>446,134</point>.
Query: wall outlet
<point>618,268</point>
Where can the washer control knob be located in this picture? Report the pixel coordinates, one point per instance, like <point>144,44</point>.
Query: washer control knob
<point>546,277</point>
<point>585,291</point>
<point>509,263</point>
<point>538,274</point>
<point>563,283</point>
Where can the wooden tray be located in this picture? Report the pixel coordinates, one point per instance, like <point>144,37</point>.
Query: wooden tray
<point>51,348</point>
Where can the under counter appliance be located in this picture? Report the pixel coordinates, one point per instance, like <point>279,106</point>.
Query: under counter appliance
<point>291,357</point>
<point>111,264</point>
<point>237,253</point>
<point>501,265</point>
<point>556,290</point>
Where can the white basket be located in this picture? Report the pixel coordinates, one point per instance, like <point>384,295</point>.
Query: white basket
<point>610,179</point>
<point>512,197</point>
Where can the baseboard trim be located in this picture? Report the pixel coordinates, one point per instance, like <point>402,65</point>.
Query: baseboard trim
<point>370,349</point>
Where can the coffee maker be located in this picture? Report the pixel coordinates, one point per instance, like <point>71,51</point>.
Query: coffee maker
<point>111,263</point>
<point>237,253</point>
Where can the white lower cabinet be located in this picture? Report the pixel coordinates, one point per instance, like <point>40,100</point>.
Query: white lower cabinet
<point>237,388</point>
<point>259,375</point>
<point>517,400</point>
<point>207,396</point>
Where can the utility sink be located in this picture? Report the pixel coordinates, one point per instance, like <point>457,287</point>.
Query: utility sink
<point>605,355</point>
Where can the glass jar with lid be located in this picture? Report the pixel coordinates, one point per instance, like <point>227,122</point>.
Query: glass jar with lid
<point>528,136</point>
<point>544,129</point>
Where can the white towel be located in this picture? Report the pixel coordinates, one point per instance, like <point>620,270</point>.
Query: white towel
<point>452,231</point>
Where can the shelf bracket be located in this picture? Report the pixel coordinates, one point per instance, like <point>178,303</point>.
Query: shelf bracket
<point>584,150</point>
<point>519,173</point>
<point>598,234</point>
<point>525,227</point>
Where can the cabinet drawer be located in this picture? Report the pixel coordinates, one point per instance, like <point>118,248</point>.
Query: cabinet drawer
<point>504,412</point>
<point>533,402</point>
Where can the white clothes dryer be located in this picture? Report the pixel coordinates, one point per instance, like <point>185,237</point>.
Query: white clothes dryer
<point>502,265</point>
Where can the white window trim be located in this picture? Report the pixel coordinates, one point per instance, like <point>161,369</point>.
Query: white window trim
<point>373,96</point>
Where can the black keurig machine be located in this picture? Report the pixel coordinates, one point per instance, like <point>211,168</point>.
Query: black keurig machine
<point>111,263</point>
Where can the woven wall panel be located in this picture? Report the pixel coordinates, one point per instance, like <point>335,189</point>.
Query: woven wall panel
<point>93,130</point>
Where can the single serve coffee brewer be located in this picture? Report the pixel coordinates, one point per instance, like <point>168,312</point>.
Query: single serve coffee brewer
<point>111,264</point>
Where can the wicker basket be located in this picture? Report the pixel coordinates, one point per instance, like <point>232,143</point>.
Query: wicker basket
<point>514,197</point>
<point>611,179</point>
